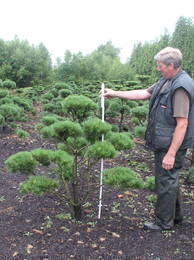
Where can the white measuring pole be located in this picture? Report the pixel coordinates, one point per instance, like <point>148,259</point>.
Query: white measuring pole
<point>102,161</point>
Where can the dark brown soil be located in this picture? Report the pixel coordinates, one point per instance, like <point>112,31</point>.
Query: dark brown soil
<point>31,230</point>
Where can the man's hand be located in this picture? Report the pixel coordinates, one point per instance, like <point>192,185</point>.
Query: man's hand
<point>168,161</point>
<point>109,93</point>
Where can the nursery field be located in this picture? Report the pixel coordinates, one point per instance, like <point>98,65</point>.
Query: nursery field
<point>41,227</point>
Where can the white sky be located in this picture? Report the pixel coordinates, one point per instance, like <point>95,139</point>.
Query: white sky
<point>82,25</point>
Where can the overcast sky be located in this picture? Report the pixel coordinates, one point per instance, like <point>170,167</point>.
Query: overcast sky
<point>82,25</point>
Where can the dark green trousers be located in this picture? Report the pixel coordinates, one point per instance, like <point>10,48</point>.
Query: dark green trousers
<point>168,205</point>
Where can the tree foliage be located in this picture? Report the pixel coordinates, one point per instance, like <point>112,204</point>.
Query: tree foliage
<point>142,57</point>
<point>102,64</point>
<point>24,64</point>
<point>183,38</point>
<point>123,177</point>
<point>29,65</point>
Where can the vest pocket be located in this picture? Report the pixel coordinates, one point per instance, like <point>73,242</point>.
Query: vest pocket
<point>164,115</point>
<point>163,137</point>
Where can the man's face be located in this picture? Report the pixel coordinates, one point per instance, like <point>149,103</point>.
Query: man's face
<point>167,71</point>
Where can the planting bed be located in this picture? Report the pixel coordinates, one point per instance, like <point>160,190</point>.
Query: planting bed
<point>40,227</point>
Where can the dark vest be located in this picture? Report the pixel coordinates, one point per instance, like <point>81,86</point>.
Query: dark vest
<point>161,123</point>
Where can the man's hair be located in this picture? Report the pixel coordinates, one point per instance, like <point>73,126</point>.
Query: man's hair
<point>169,56</point>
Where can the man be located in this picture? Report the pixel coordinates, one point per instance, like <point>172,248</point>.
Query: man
<point>169,133</point>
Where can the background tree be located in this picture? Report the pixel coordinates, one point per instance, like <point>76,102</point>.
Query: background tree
<point>30,65</point>
<point>25,64</point>
<point>142,57</point>
<point>102,64</point>
<point>183,38</point>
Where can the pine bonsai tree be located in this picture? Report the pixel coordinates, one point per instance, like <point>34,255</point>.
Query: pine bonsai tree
<point>3,93</point>
<point>10,113</point>
<point>9,84</point>
<point>119,108</point>
<point>141,113</point>
<point>123,177</point>
<point>79,148</point>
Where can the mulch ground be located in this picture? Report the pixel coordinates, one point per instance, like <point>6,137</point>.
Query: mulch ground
<point>30,227</point>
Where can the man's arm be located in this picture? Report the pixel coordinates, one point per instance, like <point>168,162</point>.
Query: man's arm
<point>140,94</point>
<point>178,137</point>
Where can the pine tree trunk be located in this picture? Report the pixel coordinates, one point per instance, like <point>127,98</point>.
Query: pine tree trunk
<point>121,121</point>
<point>77,210</point>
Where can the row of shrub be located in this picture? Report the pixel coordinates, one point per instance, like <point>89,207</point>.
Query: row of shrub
<point>10,84</point>
<point>76,130</point>
<point>13,108</point>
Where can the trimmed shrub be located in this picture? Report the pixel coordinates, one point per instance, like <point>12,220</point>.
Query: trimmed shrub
<point>22,162</point>
<point>123,177</point>
<point>140,131</point>
<point>64,129</point>
<point>49,120</point>
<point>23,102</point>
<point>3,93</point>
<point>136,87</point>
<point>50,107</point>
<point>150,183</point>
<point>42,156</point>
<point>114,128</point>
<point>113,107</point>
<point>64,165</point>
<point>135,121</point>
<point>21,133</point>
<point>140,112</point>
<point>9,84</point>
<point>54,92</point>
<point>131,83</point>
<point>94,128</point>
<point>65,93</point>
<point>79,107</point>
<point>6,100</point>
<point>120,108</point>
<point>11,112</point>
<point>45,131</point>
<point>48,96</point>
<point>39,126</point>
<point>145,79</point>
<point>100,150</point>
<point>121,141</point>
<point>38,185</point>
<point>132,103</point>
<point>61,85</point>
